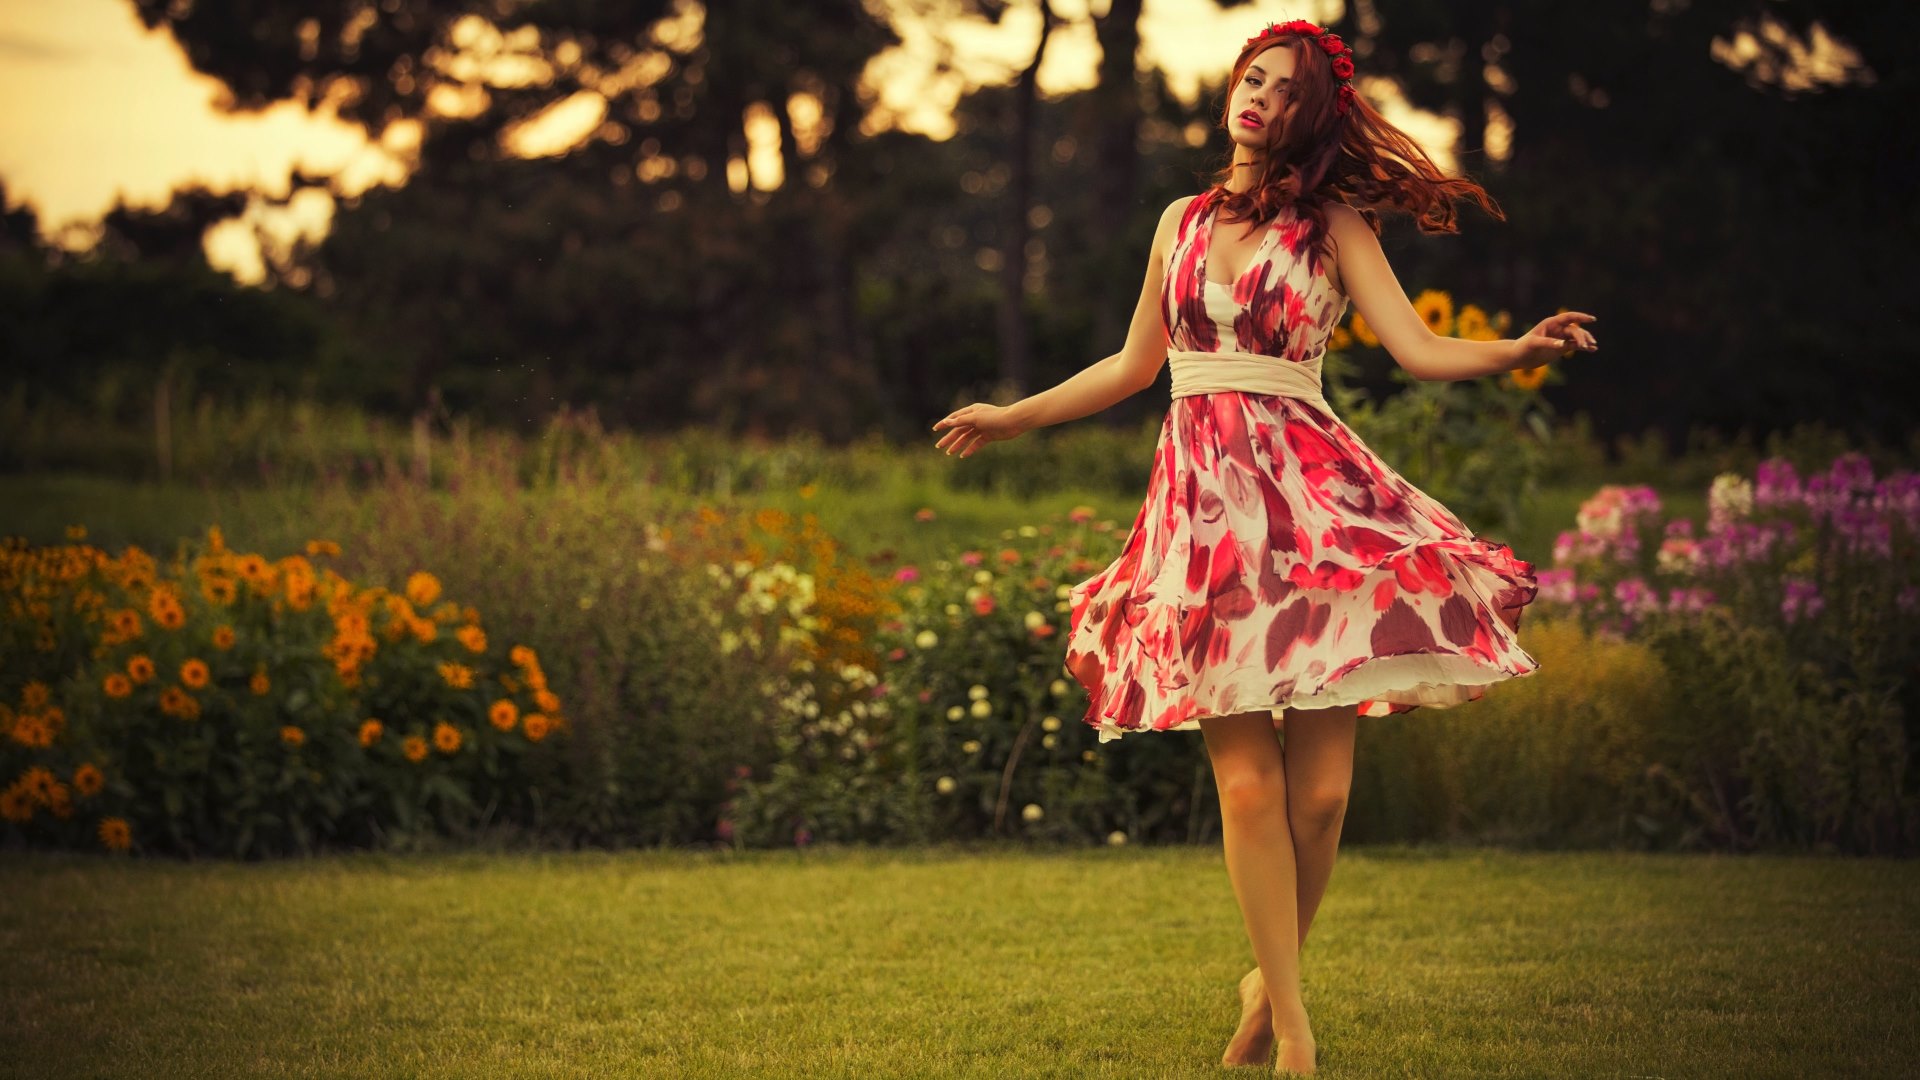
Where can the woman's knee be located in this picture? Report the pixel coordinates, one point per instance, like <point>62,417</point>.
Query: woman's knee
<point>1321,809</point>
<point>1252,790</point>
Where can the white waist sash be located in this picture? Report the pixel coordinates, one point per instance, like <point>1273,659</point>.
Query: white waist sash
<point>1253,373</point>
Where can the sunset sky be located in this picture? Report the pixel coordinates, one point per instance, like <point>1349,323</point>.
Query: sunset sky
<point>99,107</point>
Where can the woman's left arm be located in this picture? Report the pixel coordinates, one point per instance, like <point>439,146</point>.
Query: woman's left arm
<point>1377,296</point>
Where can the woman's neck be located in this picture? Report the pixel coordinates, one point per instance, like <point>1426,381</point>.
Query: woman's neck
<point>1246,165</point>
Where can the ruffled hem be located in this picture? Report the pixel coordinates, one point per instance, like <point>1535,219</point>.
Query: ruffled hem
<point>1442,682</point>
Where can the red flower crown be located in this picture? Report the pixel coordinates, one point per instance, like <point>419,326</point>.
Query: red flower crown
<point>1330,44</point>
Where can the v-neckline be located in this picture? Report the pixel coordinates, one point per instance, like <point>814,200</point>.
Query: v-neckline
<point>1206,257</point>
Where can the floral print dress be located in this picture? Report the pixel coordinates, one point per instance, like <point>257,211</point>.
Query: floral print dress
<point>1277,562</point>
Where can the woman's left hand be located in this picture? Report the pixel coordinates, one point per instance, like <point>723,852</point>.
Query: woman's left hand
<point>1556,336</point>
<point>975,424</point>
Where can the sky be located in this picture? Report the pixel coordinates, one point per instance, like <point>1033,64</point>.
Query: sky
<point>101,108</point>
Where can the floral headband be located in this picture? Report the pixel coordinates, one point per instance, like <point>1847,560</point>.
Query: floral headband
<point>1330,44</point>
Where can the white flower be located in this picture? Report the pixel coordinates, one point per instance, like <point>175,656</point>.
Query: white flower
<point>971,746</point>
<point>1034,619</point>
<point>1063,591</point>
<point>976,692</point>
<point>945,785</point>
<point>1116,838</point>
<point>1049,741</point>
<point>953,609</point>
<point>1029,531</point>
<point>741,568</point>
<point>982,577</point>
<point>1032,812</point>
<point>974,592</point>
<point>729,642</point>
<point>981,709</point>
<point>1063,605</point>
<point>860,709</point>
<point>956,712</point>
<point>926,639</point>
<point>1059,688</point>
<point>1051,723</point>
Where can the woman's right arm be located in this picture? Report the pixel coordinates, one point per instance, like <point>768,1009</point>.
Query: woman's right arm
<point>1125,373</point>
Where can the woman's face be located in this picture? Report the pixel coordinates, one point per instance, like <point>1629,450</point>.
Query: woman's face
<point>1261,93</point>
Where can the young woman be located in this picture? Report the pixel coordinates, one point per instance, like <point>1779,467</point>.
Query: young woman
<point>1280,575</point>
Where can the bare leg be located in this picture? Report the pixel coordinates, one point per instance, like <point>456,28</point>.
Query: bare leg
<point>1252,780</point>
<point>1318,758</point>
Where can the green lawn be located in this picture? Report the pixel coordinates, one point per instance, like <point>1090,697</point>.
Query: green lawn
<point>940,962</point>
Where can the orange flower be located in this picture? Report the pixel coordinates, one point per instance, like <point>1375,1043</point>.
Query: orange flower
<point>292,736</point>
<point>193,674</point>
<point>259,683</point>
<point>88,779</point>
<point>446,737</point>
<point>140,666</point>
<point>115,834</point>
<point>984,604</point>
<point>422,588</point>
<point>370,731</point>
<point>504,714</point>
<point>535,725</point>
<point>117,685</point>
<point>223,637</point>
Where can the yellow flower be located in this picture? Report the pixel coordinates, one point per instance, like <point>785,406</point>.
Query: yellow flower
<point>88,779</point>
<point>223,637</point>
<point>1342,340</point>
<point>807,490</point>
<point>422,588</point>
<point>458,676</point>
<point>193,674</point>
<point>1362,332</point>
<point>535,725</point>
<point>292,736</point>
<point>322,547</point>
<point>370,730</point>
<point>446,737</point>
<point>1436,310</point>
<point>504,714</point>
<point>140,667</point>
<point>414,747</point>
<point>474,638</point>
<point>115,834</point>
<point>1528,378</point>
<point>117,685</point>
<point>38,782</point>
<point>1473,325</point>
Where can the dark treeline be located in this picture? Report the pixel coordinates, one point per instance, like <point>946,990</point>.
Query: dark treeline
<point>1742,230</point>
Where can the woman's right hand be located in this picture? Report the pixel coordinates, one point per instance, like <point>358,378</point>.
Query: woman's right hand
<point>975,424</point>
<point>1556,336</point>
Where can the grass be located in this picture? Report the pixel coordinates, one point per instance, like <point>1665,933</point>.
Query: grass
<point>943,962</point>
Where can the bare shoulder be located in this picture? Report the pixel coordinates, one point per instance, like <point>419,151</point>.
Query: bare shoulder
<point>1168,229</point>
<point>1345,226</point>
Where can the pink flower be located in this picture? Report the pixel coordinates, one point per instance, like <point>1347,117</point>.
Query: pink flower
<point>906,573</point>
<point>971,558</point>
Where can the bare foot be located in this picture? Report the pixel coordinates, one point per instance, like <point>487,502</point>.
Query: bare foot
<point>1252,1043</point>
<point>1295,1037</point>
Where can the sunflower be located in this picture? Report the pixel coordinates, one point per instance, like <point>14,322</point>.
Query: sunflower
<point>88,779</point>
<point>115,834</point>
<point>414,747</point>
<point>535,725</point>
<point>1528,378</point>
<point>1473,325</point>
<point>193,674</point>
<point>504,714</point>
<point>1436,310</point>
<point>370,731</point>
<point>1362,332</point>
<point>446,737</point>
<point>117,685</point>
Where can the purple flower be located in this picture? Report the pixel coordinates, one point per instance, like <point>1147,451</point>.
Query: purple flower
<point>1556,586</point>
<point>1906,598</point>
<point>906,573</point>
<point>1635,596</point>
<point>1776,483</point>
<point>1852,474</point>
<point>1802,599</point>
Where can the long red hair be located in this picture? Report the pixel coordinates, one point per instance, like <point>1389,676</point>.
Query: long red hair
<point>1357,157</point>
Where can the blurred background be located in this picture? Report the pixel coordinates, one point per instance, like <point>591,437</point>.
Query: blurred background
<point>844,218</point>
